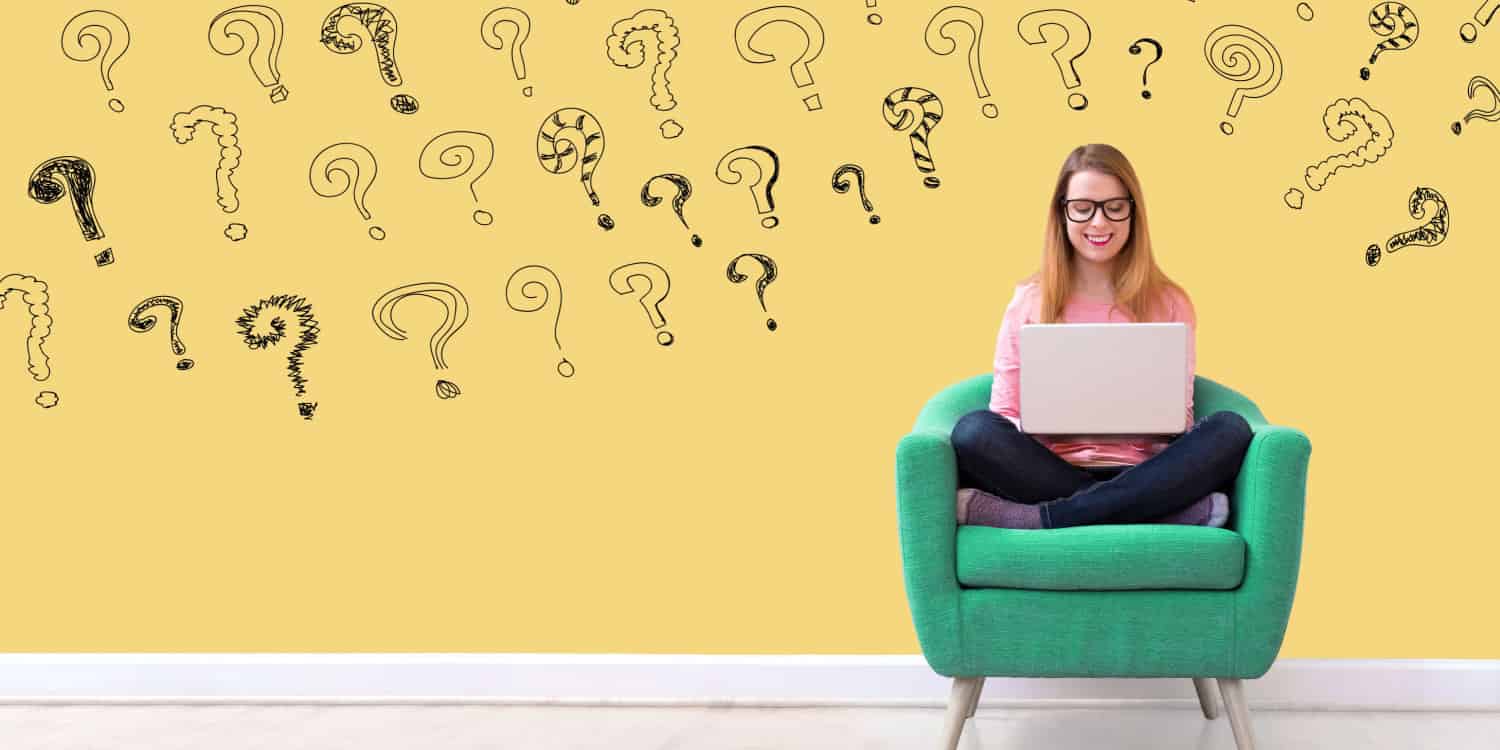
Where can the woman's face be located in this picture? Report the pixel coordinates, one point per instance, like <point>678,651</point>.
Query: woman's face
<point>1099,238</point>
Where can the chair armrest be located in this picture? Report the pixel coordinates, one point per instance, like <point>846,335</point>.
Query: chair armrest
<point>1271,499</point>
<point>926,480</point>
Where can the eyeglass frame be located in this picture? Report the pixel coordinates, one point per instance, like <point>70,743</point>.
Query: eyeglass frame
<point>1095,208</point>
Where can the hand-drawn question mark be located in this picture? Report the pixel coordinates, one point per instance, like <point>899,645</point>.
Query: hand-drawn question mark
<point>1240,53</point>
<point>939,40</point>
<point>1492,114</point>
<point>1429,234</point>
<point>34,294</point>
<point>456,313</point>
<point>624,281</point>
<point>260,27</point>
<point>897,109</point>
<point>140,322</point>
<point>1136,49</point>
<point>378,24</point>
<point>767,276</point>
<point>520,299</point>
<point>264,324</point>
<point>456,153</point>
<point>559,127</point>
<point>626,47</point>
<point>334,159</point>
<point>751,23</point>
<point>841,185</point>
<point>1384,20</point>
<point>185,126</point>
<point>684,191</point>
<point>873,18</point>
<point>1468,31</point>
<point>767,171</point>
<point>1076,38</point>
<point>1342,121</point>
<point>110,37</point>
<point>75,177</point>
<point>493,30</point>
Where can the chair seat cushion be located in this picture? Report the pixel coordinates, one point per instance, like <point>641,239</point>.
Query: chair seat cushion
<point>1101,557</point>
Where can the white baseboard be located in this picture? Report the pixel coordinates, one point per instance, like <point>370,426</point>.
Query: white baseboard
<point>686,679</point>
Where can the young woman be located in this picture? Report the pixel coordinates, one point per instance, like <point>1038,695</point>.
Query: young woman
<point>1097,267</point>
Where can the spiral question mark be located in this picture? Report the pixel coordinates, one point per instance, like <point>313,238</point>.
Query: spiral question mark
<point>898,108</point>
<point>624,280</point>
<point>766,163</point>
<point>110,37</point>
<point>679,200</point>
<point>1136,49</point>
<point>140,322</point>
<point>493,30</point>
<point>342,158</point>
<point>1240,53</point>
<point>767,276</point>
<point>456,313</point>
<point>518,295</point>
<point>940,41</point>
<point>456,153</point>
<point>260,27</point>
<point>841,185</point>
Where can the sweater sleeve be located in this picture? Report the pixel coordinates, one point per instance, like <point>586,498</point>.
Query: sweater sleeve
<point>1005,391</point>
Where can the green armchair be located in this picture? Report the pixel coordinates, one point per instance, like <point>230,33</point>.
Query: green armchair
<point>1109,600</point>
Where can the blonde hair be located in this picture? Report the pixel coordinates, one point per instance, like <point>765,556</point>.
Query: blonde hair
<point>1140,285</point>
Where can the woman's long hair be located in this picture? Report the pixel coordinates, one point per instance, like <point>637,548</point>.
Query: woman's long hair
<point>1140,285</point>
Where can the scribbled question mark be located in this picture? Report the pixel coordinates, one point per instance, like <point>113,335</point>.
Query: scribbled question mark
<point>1384,20</point>
<point>1342,121</point>
<point>265,324</point>
<point>1492,114</point>
<point>493,31</point>
<point>1136,49</point>
<point>898,108</point>
<point>1240,53</point>
<point>684,190</point>
<point>768,275</point>
<point>456,313</point>
<point>518,295</point>
<point>342,158</point>
<point>939,40</point>
<point>260,26</point>
<point>140,322</point>
<point>34,294</point>
<point>625,279</point>
<point>110,37</point>
<point>841,186</point>
<point>456,153</point>
<point>767,171</point>
<point>627,49</point>
<point>378,24</point>
<point>1430,234</point>
<point>72,176</point>
<point>751,24</point>
<point>1076,38</point>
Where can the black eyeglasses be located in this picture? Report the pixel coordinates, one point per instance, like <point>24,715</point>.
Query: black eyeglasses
<point>1082,209</point>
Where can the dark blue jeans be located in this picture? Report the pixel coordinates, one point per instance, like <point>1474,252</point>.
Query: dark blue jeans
<point>999,459</point>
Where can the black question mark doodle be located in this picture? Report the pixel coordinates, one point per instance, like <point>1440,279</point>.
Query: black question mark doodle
<point>1384,19</point>
<point>379,25</point>
<point>1430,234</point>
<point>1240,53</point>
<point>492,31</point>
<point>1136,49</point>
<point>456,313</point>
<point>140,322</point>
<point>897,109</point>
<point>34,294</point>
<point>340,158</point>
<point>227,35</point>
<point>456,153</point>
<point>1342,120</point>
<point>767,276</point>
<point>264,325</point>
<point>557,127</point>
<point>185,126</point>
<point>110,37</point>
<point>1076,38</point>
<point>623,281</point>
<point>684,191</point>
<point>751,23</point>
<point>1492,114</point>
<point>626,48</point>
<point>940,41</point>
<point>841,186</point>
<point>766,163</point>
<point>75,177</point>
<point>520,299</point>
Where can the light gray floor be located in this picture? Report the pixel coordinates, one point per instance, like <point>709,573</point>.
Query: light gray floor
<point>328,727</point>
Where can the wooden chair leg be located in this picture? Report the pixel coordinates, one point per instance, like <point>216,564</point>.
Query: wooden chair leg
<point>1233,691</point>
<point>974,704</point>
<point>959,701</point>
<point>1206,697</point>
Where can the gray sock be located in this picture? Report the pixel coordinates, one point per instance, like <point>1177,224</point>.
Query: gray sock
<point>985,509</point>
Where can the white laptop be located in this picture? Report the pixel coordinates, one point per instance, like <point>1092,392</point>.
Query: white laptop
<point>1104,379</point>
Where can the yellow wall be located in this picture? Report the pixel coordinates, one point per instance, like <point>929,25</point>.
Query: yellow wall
<point>731,493</point>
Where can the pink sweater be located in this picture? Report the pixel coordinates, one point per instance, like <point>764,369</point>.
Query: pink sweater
<point>1005,393</point>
